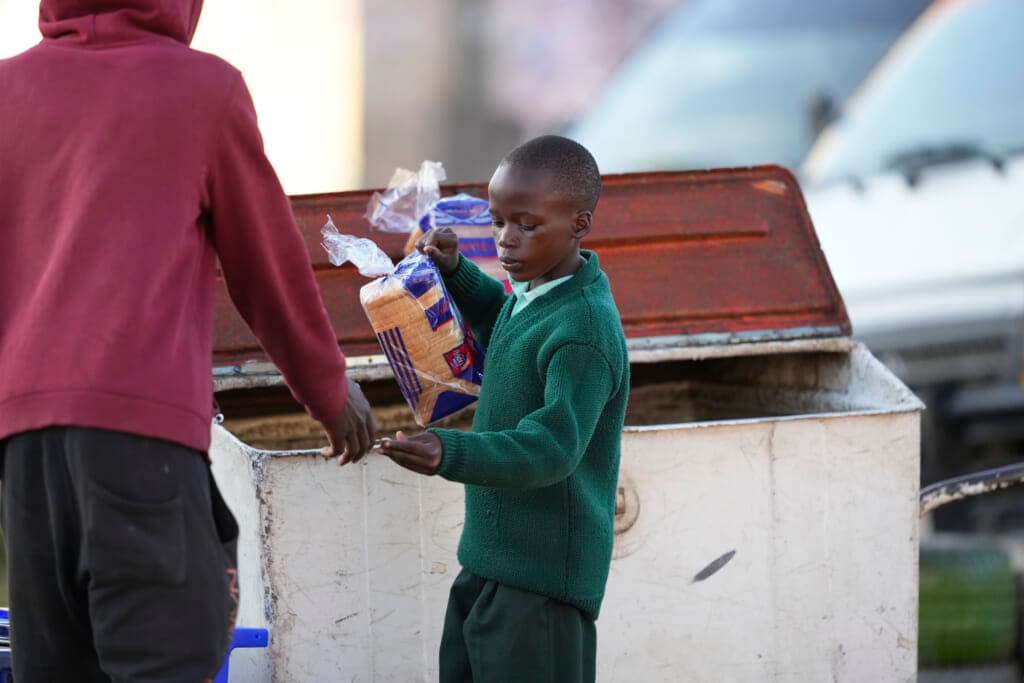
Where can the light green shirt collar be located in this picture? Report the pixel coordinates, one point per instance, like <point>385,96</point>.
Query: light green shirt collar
<point>524,295</point>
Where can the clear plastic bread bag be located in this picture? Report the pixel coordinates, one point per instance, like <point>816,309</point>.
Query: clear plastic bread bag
<point>433,355</point>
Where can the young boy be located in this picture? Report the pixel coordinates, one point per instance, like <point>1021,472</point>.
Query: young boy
<point>541,463</point>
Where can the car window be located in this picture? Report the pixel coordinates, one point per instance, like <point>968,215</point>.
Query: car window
<point>955,84</point>
<point>730,82</point>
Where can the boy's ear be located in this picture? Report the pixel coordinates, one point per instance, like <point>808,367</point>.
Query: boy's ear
<point>581,223</point>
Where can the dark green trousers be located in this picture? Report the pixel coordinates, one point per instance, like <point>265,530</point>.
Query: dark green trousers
<point>493,632</point>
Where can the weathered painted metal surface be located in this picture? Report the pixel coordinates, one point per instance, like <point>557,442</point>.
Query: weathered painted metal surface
<point>950,490</point>
<point>258,374</point>
<point>240,479</point>
<point>711,257</point>
<point>823,583</point>
<point>777,547</point>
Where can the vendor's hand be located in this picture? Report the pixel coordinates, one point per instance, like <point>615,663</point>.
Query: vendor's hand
<point>441,245</point>
<point>420,453</point>
<point>350,432</point>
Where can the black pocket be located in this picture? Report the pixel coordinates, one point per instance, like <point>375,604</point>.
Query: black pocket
<point>134,541</point>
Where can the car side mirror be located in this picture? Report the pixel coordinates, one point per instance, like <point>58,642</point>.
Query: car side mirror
<point>821,111</point>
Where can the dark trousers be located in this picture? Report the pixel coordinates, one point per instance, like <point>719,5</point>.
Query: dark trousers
<point>121,558</point>
<point>493,632</point>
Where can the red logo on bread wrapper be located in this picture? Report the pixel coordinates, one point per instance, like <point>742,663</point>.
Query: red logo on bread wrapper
<point>460,359</point>
<point>466,361</point>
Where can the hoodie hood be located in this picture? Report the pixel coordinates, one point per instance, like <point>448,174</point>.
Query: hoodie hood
<point>108,22</point>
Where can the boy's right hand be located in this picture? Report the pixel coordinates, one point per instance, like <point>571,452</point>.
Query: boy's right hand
<point>420,453</point>
<point>441,245</point>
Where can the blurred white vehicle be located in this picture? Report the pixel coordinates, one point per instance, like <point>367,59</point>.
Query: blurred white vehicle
<point>917,191</point>
<point>737,82</point>
<point>917,196</point>
<point>935,264</point>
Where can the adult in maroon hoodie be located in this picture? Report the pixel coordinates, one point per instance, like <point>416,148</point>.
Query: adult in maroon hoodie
<point>129,163</point>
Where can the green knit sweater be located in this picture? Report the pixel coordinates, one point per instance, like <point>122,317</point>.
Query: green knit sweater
<point>541,464</point>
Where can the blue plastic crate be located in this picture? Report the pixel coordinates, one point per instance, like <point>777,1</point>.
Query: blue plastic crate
<point>244,637</point>
<point>5,645</point>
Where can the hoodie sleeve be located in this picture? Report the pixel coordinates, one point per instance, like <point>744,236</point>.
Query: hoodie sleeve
<point>265,262</point>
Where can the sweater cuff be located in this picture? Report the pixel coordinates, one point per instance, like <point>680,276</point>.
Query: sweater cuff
<point>453,454</point>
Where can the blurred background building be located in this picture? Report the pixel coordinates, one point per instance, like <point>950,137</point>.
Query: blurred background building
<point>347,91</point>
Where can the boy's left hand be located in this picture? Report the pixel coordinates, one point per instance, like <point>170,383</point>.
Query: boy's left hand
<point>420,453</point>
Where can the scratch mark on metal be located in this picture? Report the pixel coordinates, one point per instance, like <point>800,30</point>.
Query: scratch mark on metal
<point>346,617</point>
<point>394,482</point>
<point>713,567</point>
<point>383,616</point>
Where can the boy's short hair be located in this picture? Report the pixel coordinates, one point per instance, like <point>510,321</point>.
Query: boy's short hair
<point>573,167</point>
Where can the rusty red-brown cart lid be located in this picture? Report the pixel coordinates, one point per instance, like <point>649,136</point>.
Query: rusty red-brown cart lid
<point>694,258</point>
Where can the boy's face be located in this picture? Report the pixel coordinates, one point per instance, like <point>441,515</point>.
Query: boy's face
<point>537,231</point>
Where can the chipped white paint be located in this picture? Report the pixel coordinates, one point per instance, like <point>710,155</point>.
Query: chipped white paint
<point>943,496</point>
<point>237,470</point>
<point>937,495</point>
<point>358,561</point>
<point>819,505</point>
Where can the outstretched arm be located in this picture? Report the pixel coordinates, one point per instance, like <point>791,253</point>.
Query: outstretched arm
<point>544,448</point>
<point>270,278</point>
